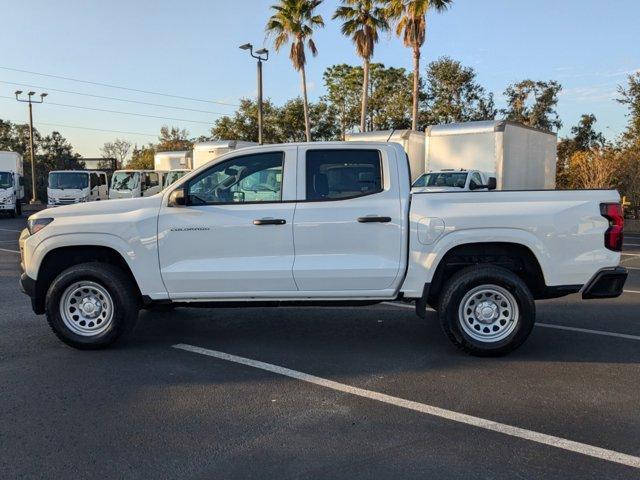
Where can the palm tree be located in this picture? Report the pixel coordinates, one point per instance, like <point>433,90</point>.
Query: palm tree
<point>294,21</point>
<point>362,21</point>
<point>411,17</point>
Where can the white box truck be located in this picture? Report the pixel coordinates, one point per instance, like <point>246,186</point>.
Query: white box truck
<point>166,161</point>
<point>135,183</point>
<point>173,165</point>
<point>519,157</point>
<point>412,141</point>
<point>204,152</point>
<point>11,183</point>
<point>65,187</point>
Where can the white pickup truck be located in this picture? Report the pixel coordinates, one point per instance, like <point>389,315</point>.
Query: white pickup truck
<point>321,224</point>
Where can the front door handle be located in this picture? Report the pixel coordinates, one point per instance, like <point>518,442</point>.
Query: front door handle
<point>269,221</point>
<point>374,219</point>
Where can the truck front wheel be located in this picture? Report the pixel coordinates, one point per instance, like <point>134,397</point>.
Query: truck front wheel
<point>486,310</point>
<point>91,305</point>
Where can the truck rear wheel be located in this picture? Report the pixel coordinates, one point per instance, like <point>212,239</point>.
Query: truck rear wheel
<point>91,306</point>
<point>486,310</point>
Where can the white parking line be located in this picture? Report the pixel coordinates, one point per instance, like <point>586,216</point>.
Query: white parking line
<point>559,327</point>
<point>541,438</point>
<point>6,250</point>
<point>587,330</point>
<point>630,254</point>
<point>8,230</point>
<point>631,244</point>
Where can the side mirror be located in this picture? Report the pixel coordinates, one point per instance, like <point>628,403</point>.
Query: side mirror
<point>177,198</point>
<point>493,184</point>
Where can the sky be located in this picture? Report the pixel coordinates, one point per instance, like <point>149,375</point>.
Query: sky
<point>189,48</point>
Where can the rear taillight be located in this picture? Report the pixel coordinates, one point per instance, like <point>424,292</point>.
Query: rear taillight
<point>613,235</point>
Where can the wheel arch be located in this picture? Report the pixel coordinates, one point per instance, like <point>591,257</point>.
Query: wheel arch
<point>514,256</point>
<point>59,259</point>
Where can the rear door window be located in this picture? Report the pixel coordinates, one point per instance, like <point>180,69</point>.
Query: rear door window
<point>341,174</point>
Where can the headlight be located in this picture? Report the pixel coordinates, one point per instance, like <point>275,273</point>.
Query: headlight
<point>35,225</point>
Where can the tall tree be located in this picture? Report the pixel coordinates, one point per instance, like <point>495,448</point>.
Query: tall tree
<point>118,149</point>
<point>533,103</point>
<point>453,95</point>
<point>342,83</point>
<point>630,96</point>
<point>243,124</point>
<point>142,158</point>
<point>362,20</point>
<point>411,17</point>
<point>293,22</point>
<point>173,139</point>
<point>583,138</point>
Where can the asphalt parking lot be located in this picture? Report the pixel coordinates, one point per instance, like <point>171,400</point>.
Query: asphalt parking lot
<point>372,392</point>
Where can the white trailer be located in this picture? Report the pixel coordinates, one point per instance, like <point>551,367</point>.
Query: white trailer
<point>166,161</point>
<point>412,141</point>
<point>520,157</point>
<point>204,152</point>
<point>11,183</point>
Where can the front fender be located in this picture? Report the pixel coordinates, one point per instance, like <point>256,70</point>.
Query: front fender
<point>141,257</point>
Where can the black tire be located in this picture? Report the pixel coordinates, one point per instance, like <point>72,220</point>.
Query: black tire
<point>124,298</point>
<point>19,208</point>
<point>14,213</point>
<point>450,310</point>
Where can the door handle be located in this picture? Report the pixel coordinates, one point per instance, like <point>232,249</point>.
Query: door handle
<point>374,219</point>
<point>269,221</point>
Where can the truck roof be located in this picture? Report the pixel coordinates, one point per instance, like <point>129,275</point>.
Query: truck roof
<point>483,126</point>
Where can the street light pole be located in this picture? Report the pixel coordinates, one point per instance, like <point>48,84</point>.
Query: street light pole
<point>30,101</point>
<point>261,55</point>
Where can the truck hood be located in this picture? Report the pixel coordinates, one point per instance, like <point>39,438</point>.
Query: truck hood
<point>102,207</point>
<point>65,192</point>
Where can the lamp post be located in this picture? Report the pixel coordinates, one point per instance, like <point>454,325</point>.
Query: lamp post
<point>30,101</point>
<point>261,55</point>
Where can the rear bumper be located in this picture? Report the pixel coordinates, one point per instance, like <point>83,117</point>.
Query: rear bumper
<point>607,283</point>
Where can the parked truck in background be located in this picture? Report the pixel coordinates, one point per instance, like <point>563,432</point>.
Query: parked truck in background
<point>519,157</point>
<point>173,165</point>
<point>412,142</point>
<point>11,183</point>
<point>135,183</point>
<point>453,180</point>
<point>322,223</point>
<point>65,187</point>
<point>204,152</point>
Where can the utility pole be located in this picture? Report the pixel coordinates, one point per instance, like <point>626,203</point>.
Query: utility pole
<point>30,101</point>
<point>261,55</point>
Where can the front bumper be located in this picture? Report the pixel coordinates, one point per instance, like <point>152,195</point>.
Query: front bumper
<point>7,206</point>
<point>607,283</point>
<point>28,286</point>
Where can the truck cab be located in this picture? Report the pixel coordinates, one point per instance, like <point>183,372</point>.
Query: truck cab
<point>453,180</point>
<point>135,183</point>
<point>173,176</point>
<point>66,187</point>
<point>11,183</point>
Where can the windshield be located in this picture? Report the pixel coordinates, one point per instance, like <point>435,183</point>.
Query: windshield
<point>68,180</point>
<point>6,180</point>
<point>125,180</point>
<point>172,177</point>
<point>442,179</point>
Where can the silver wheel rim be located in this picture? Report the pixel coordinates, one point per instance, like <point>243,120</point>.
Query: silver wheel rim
<point>86,308</point>
<point>488,313</point>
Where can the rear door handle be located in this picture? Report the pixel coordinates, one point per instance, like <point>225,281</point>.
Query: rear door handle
<point>269,221</point>
<point>374,219</point>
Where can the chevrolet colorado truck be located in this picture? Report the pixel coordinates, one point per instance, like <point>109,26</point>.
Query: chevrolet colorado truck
<point>321,224</point>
